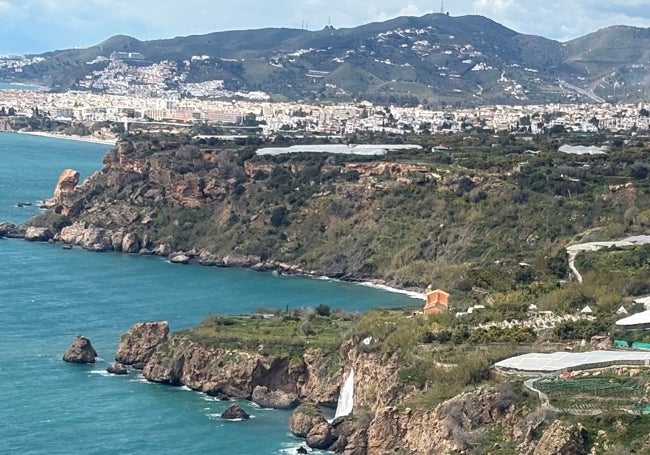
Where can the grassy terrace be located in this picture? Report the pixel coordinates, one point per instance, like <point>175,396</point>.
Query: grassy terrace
<point>276,334</point>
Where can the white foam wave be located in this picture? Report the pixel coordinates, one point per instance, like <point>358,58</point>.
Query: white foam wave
<point>141,379</point>
<point>292,448</point>
<point>383,287</point>
<point>184,387</point>
<point>101,373</point>
<point>217,416</point>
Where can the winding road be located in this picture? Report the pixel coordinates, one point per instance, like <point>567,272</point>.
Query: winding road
<point>573,250</point>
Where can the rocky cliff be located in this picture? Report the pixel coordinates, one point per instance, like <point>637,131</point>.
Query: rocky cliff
<point>382,421</point>
<point>396,219</point>
<point>271,381</point>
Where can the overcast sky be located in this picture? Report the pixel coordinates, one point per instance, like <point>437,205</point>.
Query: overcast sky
<point>42,25</point>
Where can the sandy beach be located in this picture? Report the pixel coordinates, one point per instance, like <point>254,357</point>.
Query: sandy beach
<point>70,138</point>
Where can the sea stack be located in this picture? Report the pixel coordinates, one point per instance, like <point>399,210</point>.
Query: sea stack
<point>81,351</point>
<point>235,412</point>
<point>68,181</point>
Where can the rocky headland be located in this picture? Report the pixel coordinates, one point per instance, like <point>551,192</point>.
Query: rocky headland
<point>387,414</point>
<point>491,229</point>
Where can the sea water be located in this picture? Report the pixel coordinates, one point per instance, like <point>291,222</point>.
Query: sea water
<point>48,295</point>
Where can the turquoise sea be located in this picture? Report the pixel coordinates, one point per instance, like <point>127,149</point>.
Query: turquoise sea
<point>48,295</point>
<point>7,85</point>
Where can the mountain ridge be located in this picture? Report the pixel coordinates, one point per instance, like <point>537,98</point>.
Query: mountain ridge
<point>431,59</point>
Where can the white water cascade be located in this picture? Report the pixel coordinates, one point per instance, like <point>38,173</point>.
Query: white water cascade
<point>346,397</point>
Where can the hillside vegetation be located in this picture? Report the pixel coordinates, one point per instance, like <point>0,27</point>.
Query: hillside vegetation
<point>431,59</point>
<point>483,219</point>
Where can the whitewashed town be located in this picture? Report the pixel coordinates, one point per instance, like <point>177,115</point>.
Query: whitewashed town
<point>348,118</point>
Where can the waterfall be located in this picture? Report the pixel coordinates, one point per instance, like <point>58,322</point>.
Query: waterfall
<point>346,397</point>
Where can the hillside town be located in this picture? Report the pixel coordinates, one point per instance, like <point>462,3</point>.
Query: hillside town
<point>348,118</point>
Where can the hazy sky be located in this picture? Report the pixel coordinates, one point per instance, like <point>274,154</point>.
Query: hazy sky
<point>43,25</point>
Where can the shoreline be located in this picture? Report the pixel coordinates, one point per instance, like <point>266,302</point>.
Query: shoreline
<point>270,267</point>
<point>69,138</point>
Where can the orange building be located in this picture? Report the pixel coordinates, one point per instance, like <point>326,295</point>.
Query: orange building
<point>436,301</point>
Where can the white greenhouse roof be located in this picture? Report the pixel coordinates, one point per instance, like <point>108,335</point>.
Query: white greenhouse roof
<point>636,319</point>
<point>643,300</point>
<point>557,361</point>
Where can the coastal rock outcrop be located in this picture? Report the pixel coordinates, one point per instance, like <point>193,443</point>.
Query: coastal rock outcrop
<point>138,344</point>
<point>233,372</point>
<point>88,237</point>
<point>81,351</point>
<point>276,399</point>
<point>10,230</point>
<point>117,368</point>
<point>6,228</point>
<point>38,234</point>
<point>235,412</point>
<point>179,258</point>
<point>68,181</point>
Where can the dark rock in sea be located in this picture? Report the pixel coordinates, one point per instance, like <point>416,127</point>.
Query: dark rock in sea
<point>117,368</point>
<point>276,399</point>
<point>67,247</point>
<point>38,234</point>
<point>234,412</point>
<point>23,204</point>
<point>11,230</point>
<point>81,351</point>
<point>139,343</point>
<point>301,449</point>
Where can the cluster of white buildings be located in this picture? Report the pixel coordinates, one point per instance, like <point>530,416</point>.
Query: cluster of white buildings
<point>328,119</point>
<point>16,63</point>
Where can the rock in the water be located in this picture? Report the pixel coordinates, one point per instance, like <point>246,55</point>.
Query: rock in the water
<point>276,399</point>
<point>81,351</point>
<point>179,258</point>
<point>117,368</point>
<point>301,449</point>
<point>139,343</point>
<point>38,234</point>
<point>6,228</point>
<point>303,419</point>
<point>234,412</point>
<point>320,436</point>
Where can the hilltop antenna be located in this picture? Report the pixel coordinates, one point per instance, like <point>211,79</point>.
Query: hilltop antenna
<point>442,7</point>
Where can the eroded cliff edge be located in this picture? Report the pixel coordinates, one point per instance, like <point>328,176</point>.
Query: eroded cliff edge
<point>392,411</point>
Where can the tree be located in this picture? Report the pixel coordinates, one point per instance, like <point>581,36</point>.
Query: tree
<point>279,217</point>
<point>307,329</point>
<point>323,310</point>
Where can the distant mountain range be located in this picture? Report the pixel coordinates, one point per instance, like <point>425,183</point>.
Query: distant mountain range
<point>436,59</point>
